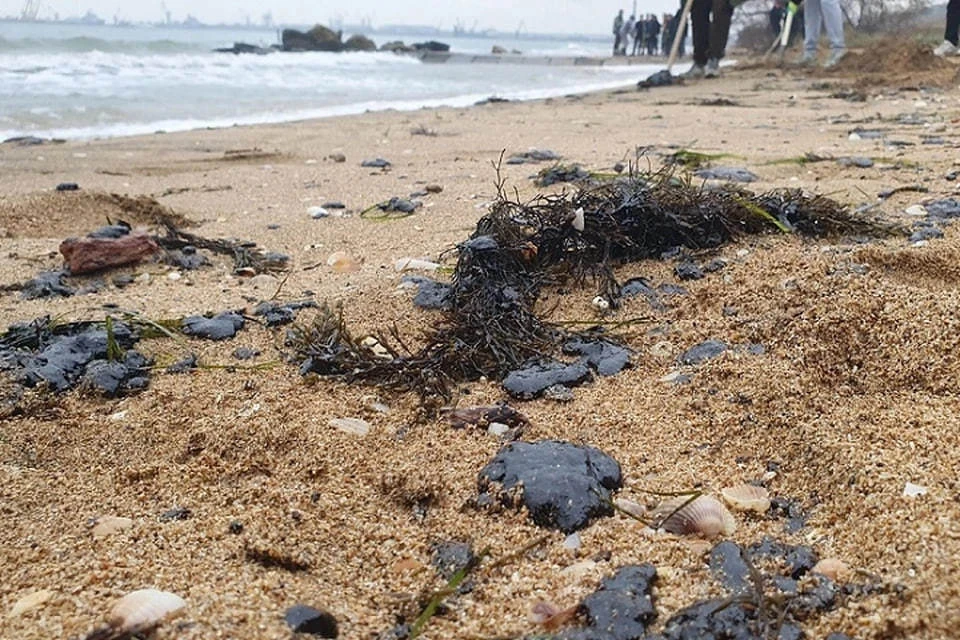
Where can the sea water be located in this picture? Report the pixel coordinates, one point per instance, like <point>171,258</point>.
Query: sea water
<point>78,81</point>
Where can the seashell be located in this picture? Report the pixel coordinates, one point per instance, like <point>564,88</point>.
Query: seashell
<point>549,615</point>
<point>578,222</point>
<point>600,303</point>
<point>354,426</point>
<point>705,516</point>
<point>747,497</point>
<point>415,264</point>
<point>635,509</point>
<point>376,348</point>
<point>30,601</point>
<point>144,608</point>
<point>911,490</point>
<point>834,568</point>
<point>107,525</point>
<point>343,262</point>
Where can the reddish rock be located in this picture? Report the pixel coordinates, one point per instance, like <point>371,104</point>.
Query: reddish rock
<point>84,255</point>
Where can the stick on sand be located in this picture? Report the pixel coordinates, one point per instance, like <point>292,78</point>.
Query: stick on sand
<point>679,34</point>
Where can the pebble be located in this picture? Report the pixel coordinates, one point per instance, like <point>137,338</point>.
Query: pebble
<point>433,188</point>
<point>498,429</point>
<point>318,212</point>
<point>304,619</point>
<point>376,163</point>
<point>343,262</point>
<point>415,264</point>
<point>354,426</point>
<point>916,210</point>
<point>108,525</point>
<point>702,352</point>
<point>558,393</point>
<point>29,602</point>
<point>911,490</point>
<point>264,281</point>
<point>572,542</point>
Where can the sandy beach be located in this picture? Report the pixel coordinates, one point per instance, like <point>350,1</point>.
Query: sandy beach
<point>853,396</point>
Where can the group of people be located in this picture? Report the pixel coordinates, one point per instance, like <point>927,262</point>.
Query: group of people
<point>644,34</point>
<point>711,20</point>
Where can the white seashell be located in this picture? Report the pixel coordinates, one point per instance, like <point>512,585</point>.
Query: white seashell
<point>343,262</point>
<point>705,516</point>
<point>635,509</point>
<point>916,210</point>
<point>30,601</point>
<point>376,348</point>
<point>578,222</point>
<point>833,568</point>
<point>600,303</point>
<point>144,608</point>
<point>354,426</point>
<point>911,490</point>
<point>108,525</point>
<point>317,212</point>
<point>747,497</point>
<point>415,264</point>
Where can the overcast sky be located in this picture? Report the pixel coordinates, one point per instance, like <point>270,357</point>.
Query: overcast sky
<point>571,16</point>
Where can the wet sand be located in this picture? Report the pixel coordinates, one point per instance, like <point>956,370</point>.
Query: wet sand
<point>854,396</point>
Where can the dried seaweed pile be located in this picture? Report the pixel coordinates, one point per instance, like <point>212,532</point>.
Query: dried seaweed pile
<point>492,326</point>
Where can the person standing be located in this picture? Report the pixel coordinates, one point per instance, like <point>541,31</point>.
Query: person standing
<point>828,14</point>
<point>626,34</point>
<point>638,30</point>
<point>711,29</point>
<point>651,33</point>
<point>665,38</point>
<point>951,37</point>
<point>617,29</point>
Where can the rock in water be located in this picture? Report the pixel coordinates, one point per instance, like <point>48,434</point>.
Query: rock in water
<point>359,42</point>
<point>564,486</point>
<point>304,619</point>
<point>85,255</point>
<point>534,379</point>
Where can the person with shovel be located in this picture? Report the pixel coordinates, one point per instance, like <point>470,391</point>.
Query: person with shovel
<point>951,43</point>
<point>711,28</point>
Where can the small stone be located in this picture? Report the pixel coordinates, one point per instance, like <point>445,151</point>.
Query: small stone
<point>235,527</point>
<point>264,282</point>
<point>177,513</point>
<point>558,393</point>
<point>433,188</point>
<point>572,542</point>
<point>318,212</point>
<point>68,186</point>
<point>376,163</point>
<point>498,429</point>
<point>337,157</point>
<point>86,255</point>
<point>354,426</point>
<point>304,619</point>
<point>30,601</point>
<point>108,525</point>
<point>343,262</point>
<point>916,210</point>
<point>415,264</point>
<point>702,352</point>
<point>174,275</point>
<point>688,271</point>
<point>911,490</point>
<point>245,353</point>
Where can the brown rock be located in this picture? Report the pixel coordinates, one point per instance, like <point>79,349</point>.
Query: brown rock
<point>84,255</point>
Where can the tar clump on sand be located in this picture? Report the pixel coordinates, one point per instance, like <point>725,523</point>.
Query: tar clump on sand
<point>562,485</point>
<point>771,589</point>
<point>62,356</point>
<point>488,325</point>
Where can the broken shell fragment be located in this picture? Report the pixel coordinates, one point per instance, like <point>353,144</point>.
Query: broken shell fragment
<point>107,525</point>
<point>343,262</point>
<point>747,497</point>
<point>30,601</point>
<point>578,222</point>
<point>704,516</point>
<point>834,568</point>
<point>144,608</point>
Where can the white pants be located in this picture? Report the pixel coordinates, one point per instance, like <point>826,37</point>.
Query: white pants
<point>825,11</point>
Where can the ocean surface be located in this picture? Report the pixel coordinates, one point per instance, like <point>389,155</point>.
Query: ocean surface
<point>77,81</point>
